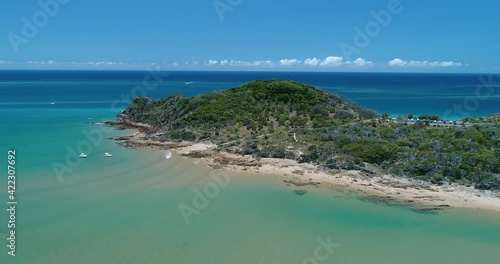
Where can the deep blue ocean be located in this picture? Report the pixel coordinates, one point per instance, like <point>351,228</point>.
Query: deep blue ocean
<point>451,96</point>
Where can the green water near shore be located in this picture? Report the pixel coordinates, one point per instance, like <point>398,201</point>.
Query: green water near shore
<point>126,210</point>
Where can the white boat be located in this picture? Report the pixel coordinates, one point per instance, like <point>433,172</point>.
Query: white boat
<point>83,155</point>
<point>108,155</point>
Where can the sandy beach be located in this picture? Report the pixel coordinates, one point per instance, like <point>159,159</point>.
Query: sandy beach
<point>378,187</point>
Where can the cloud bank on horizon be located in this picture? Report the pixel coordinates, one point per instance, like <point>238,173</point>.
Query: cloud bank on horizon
<point>403,63</point>
<point>330,62</point>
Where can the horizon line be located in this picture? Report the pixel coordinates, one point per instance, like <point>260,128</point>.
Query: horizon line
<point>249,71</point>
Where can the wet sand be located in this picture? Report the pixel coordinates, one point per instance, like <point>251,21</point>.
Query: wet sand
<point>376,187</point>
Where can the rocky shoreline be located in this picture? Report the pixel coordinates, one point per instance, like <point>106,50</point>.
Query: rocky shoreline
<point>367,185</point>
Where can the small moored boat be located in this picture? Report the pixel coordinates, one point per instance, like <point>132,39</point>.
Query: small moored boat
<point>83,155</point>
<point>108,155</point>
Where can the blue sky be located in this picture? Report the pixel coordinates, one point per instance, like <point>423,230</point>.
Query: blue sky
<point>421,35</point>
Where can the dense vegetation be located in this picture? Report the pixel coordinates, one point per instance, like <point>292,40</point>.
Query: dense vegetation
<point>495,119</point>
<point>286,119</point>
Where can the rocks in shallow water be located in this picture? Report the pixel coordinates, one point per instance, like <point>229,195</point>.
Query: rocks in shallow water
<point>300,191</point>
<point>301,183</point>
<point>410,204</point>
<point>430,210</point>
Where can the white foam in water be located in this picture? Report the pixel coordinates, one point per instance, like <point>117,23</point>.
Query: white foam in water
<point>168,154</point>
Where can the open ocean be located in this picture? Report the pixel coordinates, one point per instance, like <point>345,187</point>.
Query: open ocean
<point>125,209</point>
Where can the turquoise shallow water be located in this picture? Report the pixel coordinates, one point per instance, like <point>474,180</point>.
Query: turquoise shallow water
<point>115,211</point>
<point>126,209</point>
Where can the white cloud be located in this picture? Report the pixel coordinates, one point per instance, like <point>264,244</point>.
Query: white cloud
<point>362,62</point>
<point>332,61</point>
<point>89,63</point>
<point>238,63</point>
<point>102,63</point>
<point>412,63</point>
<point>241,63</point>
<point>213,62</point>
<point>289,62</point>
<point>397,62</point>
<point>263,63</point>
<point>445,64</point>
<point>49,62</point>
<point>35,62</point>
<point>312,62</point>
